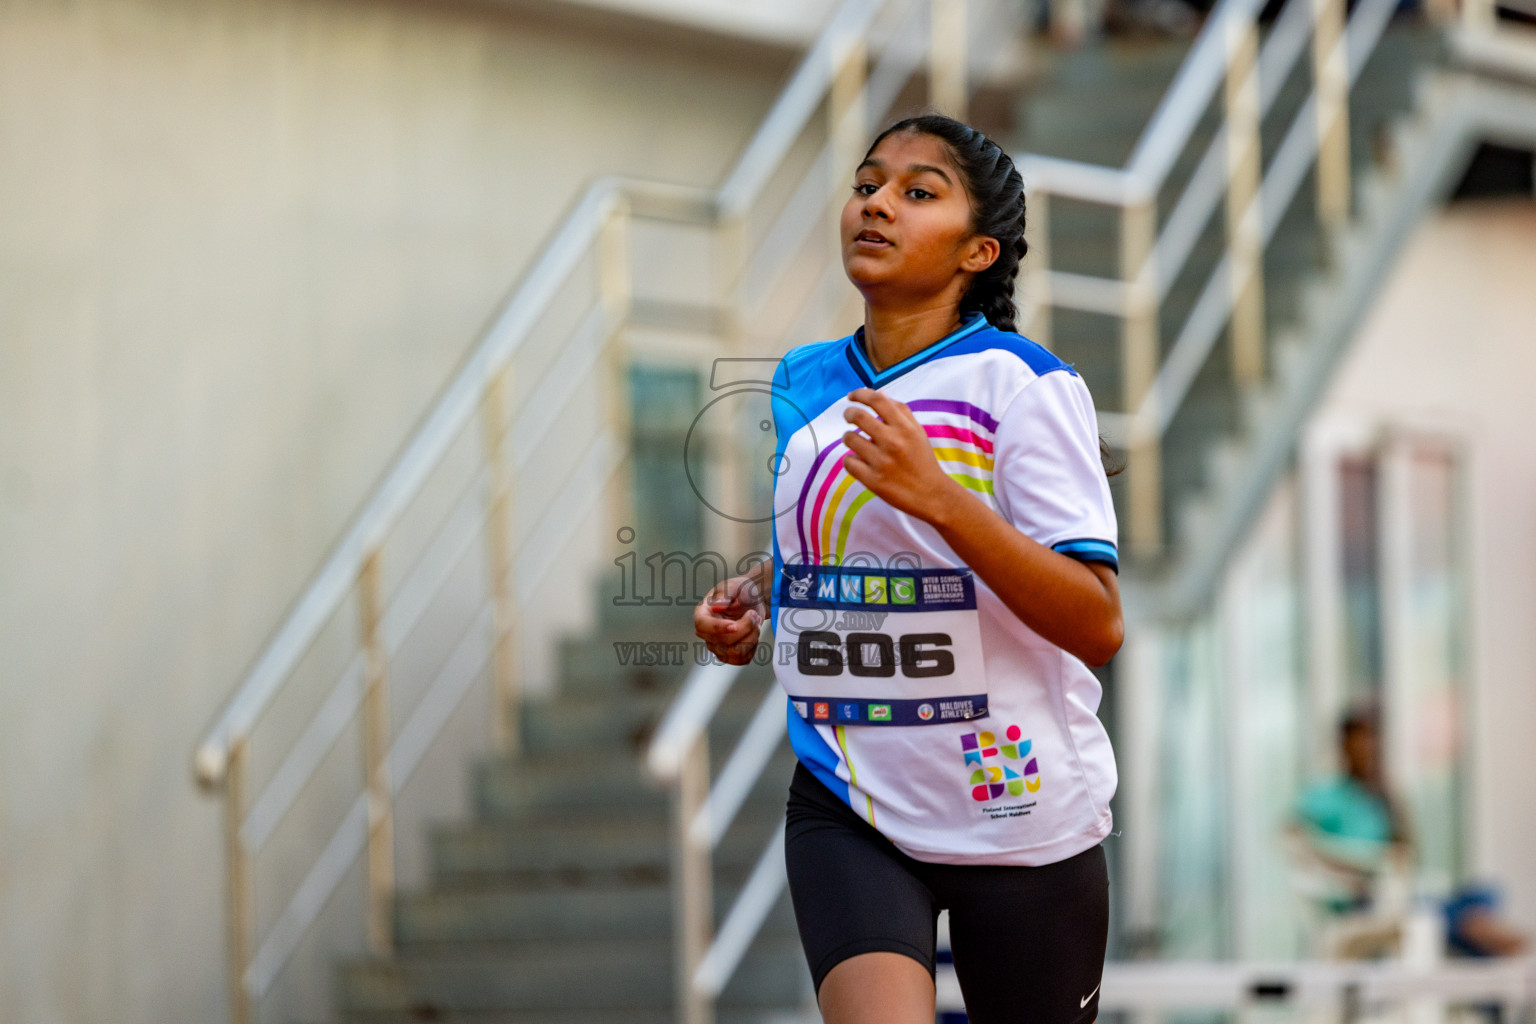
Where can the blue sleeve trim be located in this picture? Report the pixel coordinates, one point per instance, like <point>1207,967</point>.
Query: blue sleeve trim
<point>1090,551</point>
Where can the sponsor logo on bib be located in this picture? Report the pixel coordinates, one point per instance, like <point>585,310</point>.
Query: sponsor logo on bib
<point>925,711</point>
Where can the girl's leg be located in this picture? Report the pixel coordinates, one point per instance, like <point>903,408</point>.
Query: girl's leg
<point>877,988</point>
<point>1029,941</point>
<point>866,920</point>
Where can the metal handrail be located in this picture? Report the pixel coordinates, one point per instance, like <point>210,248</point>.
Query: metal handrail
<point>1153,258</point>
<point>1168,131</point>
<point>1150,405</point>
<point>427,446</point>
<point>443,693</point>
<point>221,759</point>
<point>1280,187</point>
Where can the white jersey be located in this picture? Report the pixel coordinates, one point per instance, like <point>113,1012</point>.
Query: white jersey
<point>914,692</point>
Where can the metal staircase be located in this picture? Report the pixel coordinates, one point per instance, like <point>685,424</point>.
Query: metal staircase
<point>623,861</point>
<point>426,599</point>
<point>554,903</point>
<point>1198,450</point>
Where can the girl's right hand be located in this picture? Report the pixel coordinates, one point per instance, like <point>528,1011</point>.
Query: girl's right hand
<point>730,618</point>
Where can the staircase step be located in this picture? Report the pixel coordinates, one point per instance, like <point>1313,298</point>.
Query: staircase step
<point>592,668</point>
<point>562,787</point>
<point>607,974</point>
<point>496,912</point>
<point>606,851</point>
<point>581,725</point>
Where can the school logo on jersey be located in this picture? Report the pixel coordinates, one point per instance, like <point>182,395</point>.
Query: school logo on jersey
<point>991,781</point>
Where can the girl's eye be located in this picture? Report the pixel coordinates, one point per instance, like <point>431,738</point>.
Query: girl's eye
<point>920,193</point>
<point>866,188</point>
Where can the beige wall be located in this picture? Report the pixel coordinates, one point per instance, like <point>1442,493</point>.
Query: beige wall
<point>1452,343</point>
<point>242,245</point>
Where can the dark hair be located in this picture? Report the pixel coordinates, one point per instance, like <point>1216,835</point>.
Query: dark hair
<point>1359,715</point>
<point>996,192</point>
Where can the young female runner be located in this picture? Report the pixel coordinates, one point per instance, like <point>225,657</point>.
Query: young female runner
<point>942,577</point>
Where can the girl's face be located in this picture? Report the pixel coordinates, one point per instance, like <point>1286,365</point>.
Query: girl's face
<point>906,230</point>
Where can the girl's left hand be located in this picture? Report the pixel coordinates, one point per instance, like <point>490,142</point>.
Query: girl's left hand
<point>895,460</point>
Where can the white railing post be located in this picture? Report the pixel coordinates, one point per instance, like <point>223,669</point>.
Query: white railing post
<point>1069,21</point>
<point>1479,14</point>
<point>498,528</point>
<point>1245,226</point>
<point>238,894</point>
<point>693,898</point>
<point>947,57</point>
<point>376,742</point>
<point>1331,70</point>
<point>616,296</point>
<point>1037,267</point>
<point>1138,369</point>
<point>848,118</point>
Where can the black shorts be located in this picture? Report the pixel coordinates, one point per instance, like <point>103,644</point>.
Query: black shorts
<point>1028,942</point>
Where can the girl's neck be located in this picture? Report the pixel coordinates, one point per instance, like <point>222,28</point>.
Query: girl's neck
<point>892,335</point>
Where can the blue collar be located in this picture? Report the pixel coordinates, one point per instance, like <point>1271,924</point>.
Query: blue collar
<point>866,370</point>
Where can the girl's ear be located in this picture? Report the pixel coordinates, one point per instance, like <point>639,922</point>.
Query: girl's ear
<point>980,253</point>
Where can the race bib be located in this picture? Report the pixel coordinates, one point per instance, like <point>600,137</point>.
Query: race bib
<point>880,646</point>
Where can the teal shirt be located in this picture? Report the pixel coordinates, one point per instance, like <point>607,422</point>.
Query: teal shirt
<point>1347,821</point>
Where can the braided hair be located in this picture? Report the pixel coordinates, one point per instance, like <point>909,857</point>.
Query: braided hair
<point>996,192</point>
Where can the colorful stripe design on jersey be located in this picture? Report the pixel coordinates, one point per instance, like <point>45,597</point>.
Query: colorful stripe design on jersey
<point>965,451</point>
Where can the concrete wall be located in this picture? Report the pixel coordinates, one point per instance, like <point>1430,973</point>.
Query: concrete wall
<point>1452,343</point>
<point>243,243</point>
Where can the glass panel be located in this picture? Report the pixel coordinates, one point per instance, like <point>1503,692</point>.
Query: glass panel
<point>1435,635</point>
<point>1359,529</point>
<point>665,401</point>
<point>1265,621</point>
<point>1194,868</point>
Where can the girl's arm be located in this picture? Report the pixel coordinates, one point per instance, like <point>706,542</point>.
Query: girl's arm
<point>1074,605</point>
